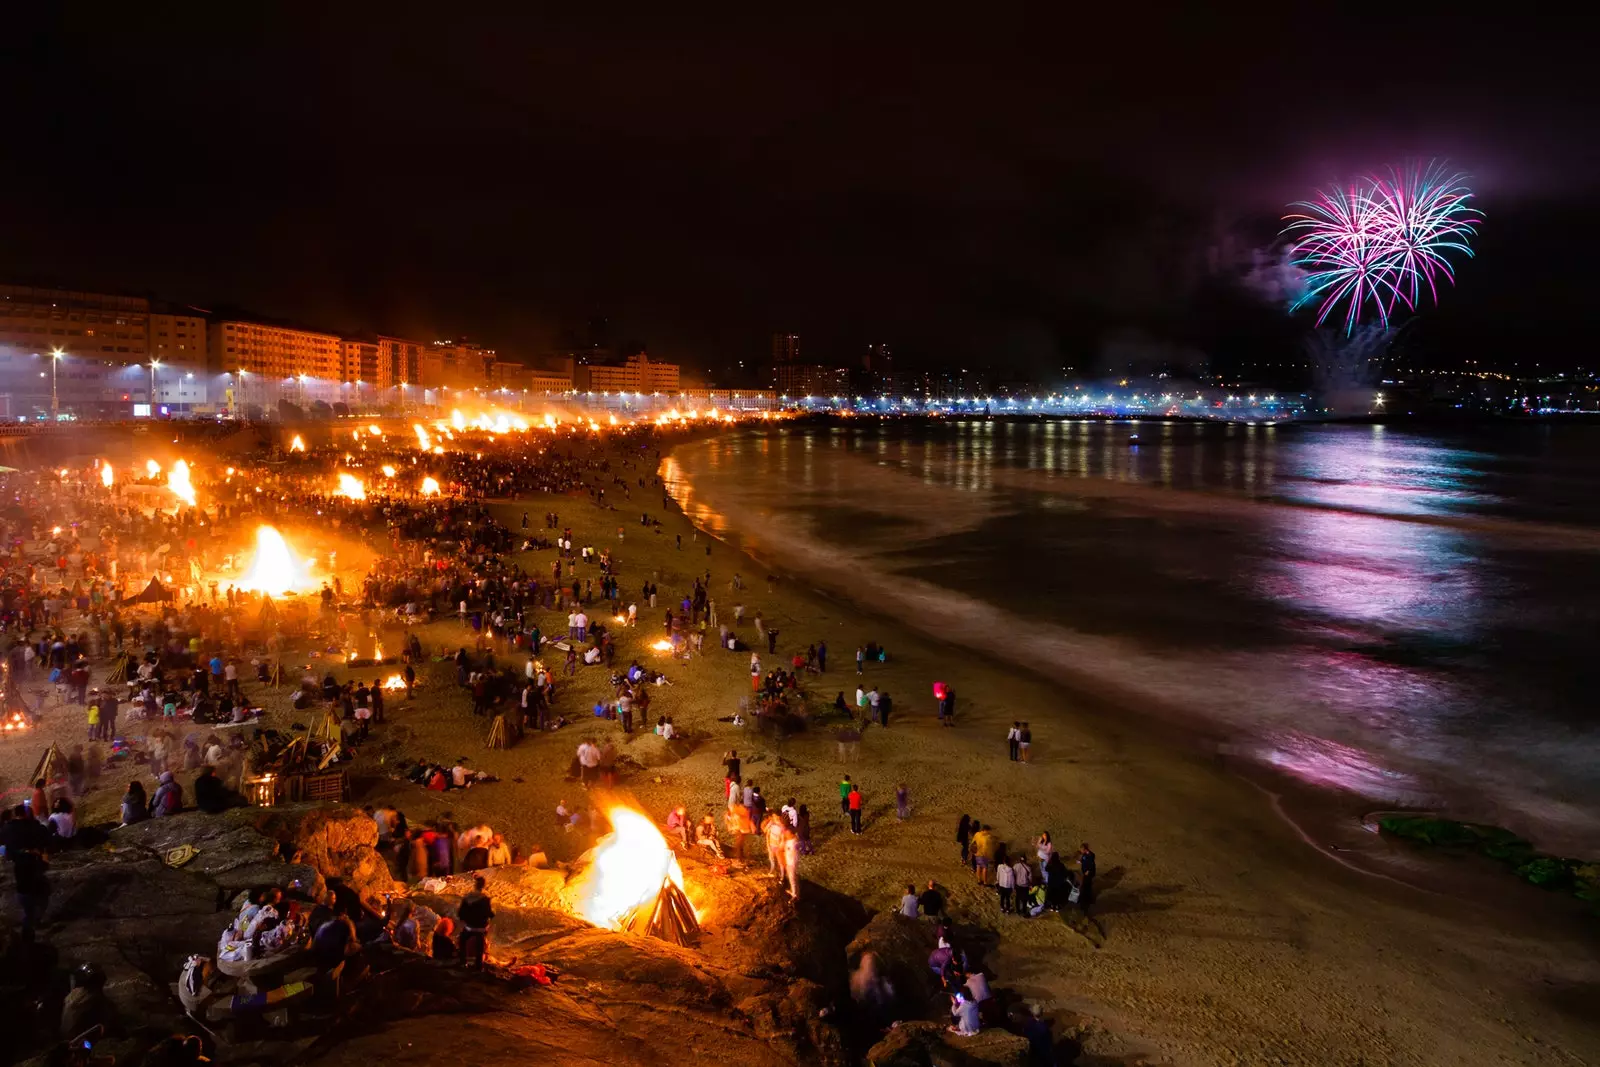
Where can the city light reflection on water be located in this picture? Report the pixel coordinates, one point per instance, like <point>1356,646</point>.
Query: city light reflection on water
<point>1355,606</point>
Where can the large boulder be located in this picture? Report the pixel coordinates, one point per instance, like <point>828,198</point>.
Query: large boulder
<point>929,1044</point>
<point>231,852</point>
<point>902,947</point>
<point>339,841</point>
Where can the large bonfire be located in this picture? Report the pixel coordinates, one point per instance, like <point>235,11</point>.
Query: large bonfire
<point>274,570</point>
<point>633,882</point>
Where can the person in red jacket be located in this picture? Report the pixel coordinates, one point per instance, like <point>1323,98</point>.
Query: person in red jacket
<point>853,799</point>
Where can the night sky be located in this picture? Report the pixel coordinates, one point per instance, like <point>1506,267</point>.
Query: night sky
<point>995,187</point>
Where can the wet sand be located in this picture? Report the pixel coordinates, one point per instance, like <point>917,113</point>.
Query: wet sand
<point>1225,930</point>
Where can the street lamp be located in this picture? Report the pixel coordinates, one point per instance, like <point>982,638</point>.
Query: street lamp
<point>55,401</point>
<point>154,363</point>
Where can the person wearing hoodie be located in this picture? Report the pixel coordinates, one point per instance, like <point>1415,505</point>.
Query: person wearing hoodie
<point>168,799</point>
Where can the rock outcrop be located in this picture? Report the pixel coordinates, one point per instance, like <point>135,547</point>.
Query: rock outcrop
<point>761,989</point>
<point>929,1044</point>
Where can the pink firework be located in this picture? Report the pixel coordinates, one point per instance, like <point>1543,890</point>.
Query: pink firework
<point>1377,243</point>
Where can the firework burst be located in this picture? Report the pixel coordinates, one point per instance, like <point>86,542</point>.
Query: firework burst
<point>1381,244</point>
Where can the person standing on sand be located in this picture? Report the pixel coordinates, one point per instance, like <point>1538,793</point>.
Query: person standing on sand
<point>983,844</point>
<point>755,672</point>
<point>802,829</point>
<point>1021,878</point>
<point>1086,869</point>
<point>844,795</point>
<point>1013,738</point>
<point>853,802</point>
<point>1024,742</point>
<point>1005,880</point>
<point>861,659</point>
<point>791,863</point>
<point>964,837</point>
<point>822,657</point>
<point>902,802</point>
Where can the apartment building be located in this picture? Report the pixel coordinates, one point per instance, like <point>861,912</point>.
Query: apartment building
<point>179,339</point>
<point>34,319</point>
<point>275,353</point>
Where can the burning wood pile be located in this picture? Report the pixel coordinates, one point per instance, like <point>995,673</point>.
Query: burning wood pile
<point>633,882</point>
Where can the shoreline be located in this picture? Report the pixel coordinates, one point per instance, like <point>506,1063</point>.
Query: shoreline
<point>1302,836</point>
<point>1218,937</point>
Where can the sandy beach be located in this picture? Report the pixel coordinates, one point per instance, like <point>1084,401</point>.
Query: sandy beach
<point>1229,928</point>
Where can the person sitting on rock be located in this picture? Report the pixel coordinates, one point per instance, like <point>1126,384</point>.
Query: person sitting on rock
<point>210,794</point>
<point>443,945</point>
<point>678,824</point>
<point>965,1012</point>
<point>705,836</point>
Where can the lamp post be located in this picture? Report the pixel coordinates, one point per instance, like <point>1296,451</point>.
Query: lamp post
<point>55,399</point>
<point>154,363</point>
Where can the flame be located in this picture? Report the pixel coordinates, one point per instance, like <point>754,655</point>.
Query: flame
<point>377,651</point>
<point>550,420</point>
<point>613,419</point>
<point>350,486</point>
<point>458,420</point>
<point>394,681</point>
<point>628,868</point>
<point>430,487</point>
<point>388,471</point>
<point>107,477</point>
<point>15,721</point>
<point>152,468</point>
<point>178,482</point>
<point>273,571</point>
<point>422,436</point>
<point>662,645</point>
<point>297,445</point>
<point>374,431</point>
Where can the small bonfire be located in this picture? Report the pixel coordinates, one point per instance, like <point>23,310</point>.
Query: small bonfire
<point>633,882</point>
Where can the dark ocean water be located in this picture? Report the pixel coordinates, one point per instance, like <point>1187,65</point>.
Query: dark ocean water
<point>1408,615</point>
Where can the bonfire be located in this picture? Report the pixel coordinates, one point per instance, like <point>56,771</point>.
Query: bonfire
<point>274,570</point>
<point>633,882</point>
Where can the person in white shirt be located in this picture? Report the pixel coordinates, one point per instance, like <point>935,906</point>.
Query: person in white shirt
<point>572,625</point>
<point>581,621</point>
<point>1013,739</point>
<point>63,821</point>
<point>529,669</point>
<point>1005,879</point>
<point>588,760</point>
